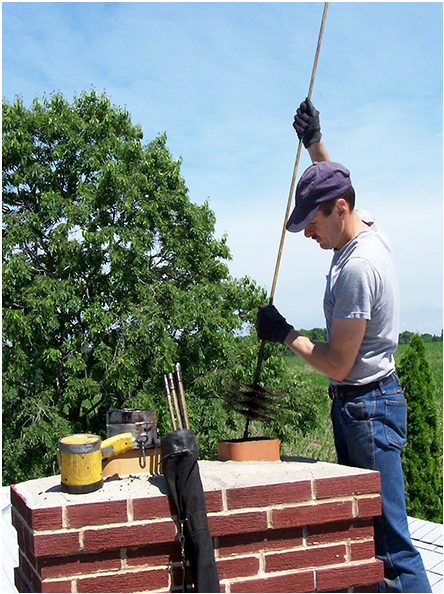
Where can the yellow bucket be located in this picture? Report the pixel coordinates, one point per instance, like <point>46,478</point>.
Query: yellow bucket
<point>80,459</point>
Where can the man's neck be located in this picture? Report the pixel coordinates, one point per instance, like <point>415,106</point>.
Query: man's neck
<point>353,226</point>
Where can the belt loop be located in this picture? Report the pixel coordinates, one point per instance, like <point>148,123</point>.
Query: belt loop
<point>382,383</point>
<point>333,392</point>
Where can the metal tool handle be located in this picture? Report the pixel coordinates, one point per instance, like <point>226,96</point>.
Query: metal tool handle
<point>116,444</point>
<point>178,373</point>
<point>175,401</point>
<point>170,404</point>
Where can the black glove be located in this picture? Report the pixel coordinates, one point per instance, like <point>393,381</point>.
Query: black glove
<point>306,123</point>
<point>271,325</point>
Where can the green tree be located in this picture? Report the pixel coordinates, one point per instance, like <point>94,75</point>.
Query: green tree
<point>405,337</point>
<point>316,334</point>
<point>110,275</point>
<point>422,456</point>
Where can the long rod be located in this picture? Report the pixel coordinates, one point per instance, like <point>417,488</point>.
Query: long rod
<point>296,165</point>
<point>290,195</point>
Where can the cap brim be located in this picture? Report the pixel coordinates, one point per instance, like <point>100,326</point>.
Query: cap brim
<point>300,218</point>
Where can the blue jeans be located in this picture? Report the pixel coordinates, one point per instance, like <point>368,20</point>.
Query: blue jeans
<point>370,429</point>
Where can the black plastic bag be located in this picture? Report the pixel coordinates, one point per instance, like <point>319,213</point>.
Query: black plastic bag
<point>181,472</point>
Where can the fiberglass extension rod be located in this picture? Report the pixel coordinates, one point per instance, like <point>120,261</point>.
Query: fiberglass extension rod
<point>293,179</point>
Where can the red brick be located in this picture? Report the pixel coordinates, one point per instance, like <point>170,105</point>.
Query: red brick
<point>237,523</point>
<point>301,581</point>
<point>18,501</point>
<point>355,484</point>
<point>213,501</point>
<point>311,557</point>
<point>153,507</point>
<point>269,494</point>
<point>45,545</point>
<point>47,518</point>
<point>284,538</point>
<point>336,531</point>
<point>56,586</point>
<point>304,515</point>
<point>369,507</point>
<point>349,575</point>
<point>362,550</point>
<point>38,544</point>
<point>367,589</point>
<point>29,572</point>
<point>24,534</point>
<point>129,536</point>
<point>237,567</point>
<point>66,565</point>
<point>134,581</point>
<point>152,555</point>
<point>107,512</point>
<point>20,581</point>
<point>28,582</point>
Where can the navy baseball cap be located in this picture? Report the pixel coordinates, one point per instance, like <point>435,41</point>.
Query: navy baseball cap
<point>322,181</point>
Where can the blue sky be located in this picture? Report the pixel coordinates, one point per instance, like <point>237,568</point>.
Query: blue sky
<point>223,81</point>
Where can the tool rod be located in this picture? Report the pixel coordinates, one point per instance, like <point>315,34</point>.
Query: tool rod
<point>178,374</point>
<point>298,155</point>
<point>170,404</point>
<point>175,401</point>
<point>290,195</point>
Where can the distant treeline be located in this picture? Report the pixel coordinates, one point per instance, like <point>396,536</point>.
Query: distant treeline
<point>404,337</point>
<point>320,334</point>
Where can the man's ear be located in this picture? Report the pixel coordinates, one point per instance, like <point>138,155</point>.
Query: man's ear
<point>341,207</point>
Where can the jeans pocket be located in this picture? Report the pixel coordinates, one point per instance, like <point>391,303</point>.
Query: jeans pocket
<point>359,410</point>
<point>395,424</point>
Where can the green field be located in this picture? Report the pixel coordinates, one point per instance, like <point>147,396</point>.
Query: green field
<point>319,443</point>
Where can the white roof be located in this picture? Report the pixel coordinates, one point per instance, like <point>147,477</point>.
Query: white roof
<point>426,536</point>
<point>8,544</point>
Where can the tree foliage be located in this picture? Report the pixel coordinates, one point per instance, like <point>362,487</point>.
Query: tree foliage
<point>422,457</point>
<point>110,275</point>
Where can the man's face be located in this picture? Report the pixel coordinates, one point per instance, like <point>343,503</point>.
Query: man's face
<point>326,231</point>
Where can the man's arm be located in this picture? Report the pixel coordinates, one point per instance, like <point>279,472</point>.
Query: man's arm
<point>318,152</point>
<point>336,358</point>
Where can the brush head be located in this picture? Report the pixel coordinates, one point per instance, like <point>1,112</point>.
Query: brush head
<point>252,401</point>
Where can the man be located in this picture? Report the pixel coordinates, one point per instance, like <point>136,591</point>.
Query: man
<point>361,308</point>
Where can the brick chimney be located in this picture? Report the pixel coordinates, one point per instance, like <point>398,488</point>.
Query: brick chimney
<point>289,526</point>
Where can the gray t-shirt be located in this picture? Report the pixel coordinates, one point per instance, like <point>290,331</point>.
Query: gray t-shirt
<point>362,283</point>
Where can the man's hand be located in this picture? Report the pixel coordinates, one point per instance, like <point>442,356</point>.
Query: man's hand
<point>271,325</point>
<point>307,124</point>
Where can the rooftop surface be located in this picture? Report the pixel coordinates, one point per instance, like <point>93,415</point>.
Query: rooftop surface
<point>427,538</point>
